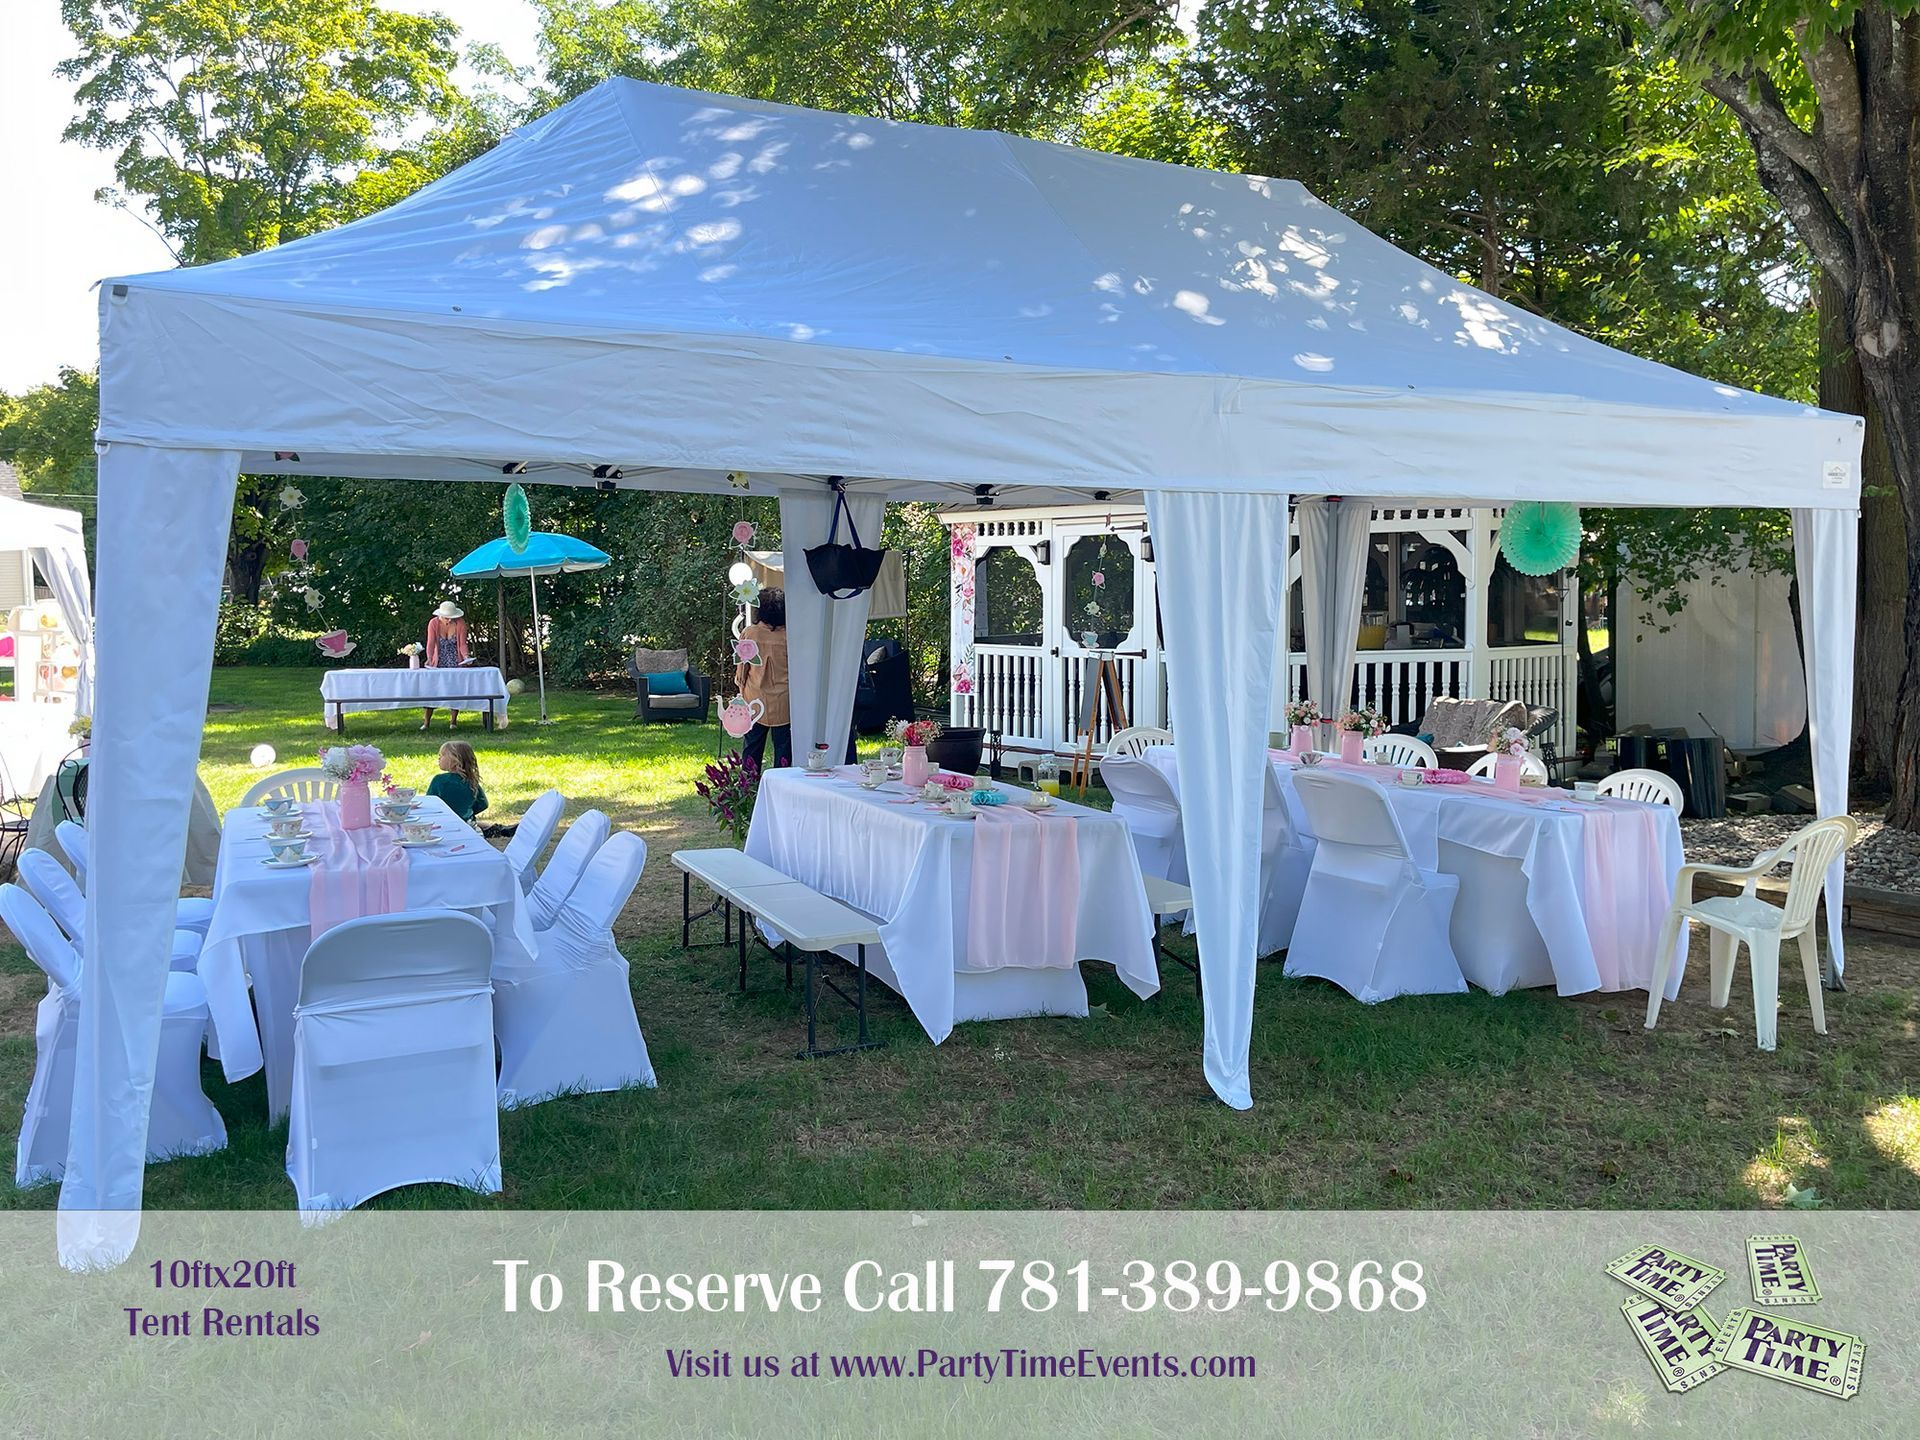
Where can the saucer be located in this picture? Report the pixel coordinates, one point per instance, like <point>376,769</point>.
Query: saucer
<point>418,844</point>
<point>297,835</point>
<point>300,864</point>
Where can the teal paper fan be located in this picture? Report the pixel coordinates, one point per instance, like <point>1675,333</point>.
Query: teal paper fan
<point>519,518</point>
<point>1540,537</point>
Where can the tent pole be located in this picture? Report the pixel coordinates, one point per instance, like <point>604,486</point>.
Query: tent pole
<point>539,656</point>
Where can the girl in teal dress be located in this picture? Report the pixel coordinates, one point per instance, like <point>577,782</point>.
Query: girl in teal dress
<point>458,783</point>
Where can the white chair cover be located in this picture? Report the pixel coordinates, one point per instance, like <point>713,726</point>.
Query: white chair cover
<point>530,837</point>
<point>181,1120</point>
<point>567,1024</point>
<point>1372,921</point>
<point>393,1060</point>
<point>565,867</point>
<point>1286,860</point>
<point>1144,799</point>
<point>50,884</point>
<point>73,844</point>
<point>1495,937</point>
<point>193,913</point>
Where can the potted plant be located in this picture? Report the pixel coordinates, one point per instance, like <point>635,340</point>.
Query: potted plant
<point>729,789</point>
<point>958,748</point>
<point>1358,726</point>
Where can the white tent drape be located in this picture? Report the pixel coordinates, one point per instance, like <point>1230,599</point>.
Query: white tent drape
<point>824,637</point>
<point>60,551</point>
<point>1221,561</point>
<point>1826,557</point>
<point>1333,584</point>
<point>150,708</point>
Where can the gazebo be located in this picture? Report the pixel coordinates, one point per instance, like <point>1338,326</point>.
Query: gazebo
<point>650,287</point>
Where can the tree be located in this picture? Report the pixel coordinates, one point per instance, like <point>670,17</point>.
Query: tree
<point>47,433</point>
<point>1827,94</point>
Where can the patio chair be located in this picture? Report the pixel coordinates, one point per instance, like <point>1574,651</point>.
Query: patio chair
<point>1137,740</point>
<point>1372,921</point>
<point>393,1060</point>
<point>16,818</point>
<point>1652,786</point>
<point>885,691</point>
<point>565,867</point>
<point>681,694</point>
<point>46,879</point>
<point>1543,727</point>
<point>531,835</point>
<point>566,1023</point>
<point>1745,918</point>
<point>309,783</point>
<point>1143,798</point>
<point>1400,750</point>
<point>180,1118</point>
<point>1530,764</point>
<point>192,913</point>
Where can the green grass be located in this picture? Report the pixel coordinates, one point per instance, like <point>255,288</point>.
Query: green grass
<point>1527,1100</point>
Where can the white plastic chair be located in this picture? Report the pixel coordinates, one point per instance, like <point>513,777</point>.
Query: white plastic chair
<point>565,867</point>
<point>566,1024</point>
<point>531,835</point>
<point>180,1121</point>
<point>191,912</point>
<point>311,783</point>
<point>1400,750</point>
<point>393,1060</point>
<point>1648,785</point>
<point>1530,764</point>
<point>1134,742</point>
<point>1372,921</point>
<point>48,882</point>
<point>1745,918</point>
<point>1143,798</point>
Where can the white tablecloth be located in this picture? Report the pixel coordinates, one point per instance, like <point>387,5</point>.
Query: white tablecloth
<point>261,918</point>
<point>911,868</point>
<point>442,687</point>
<point>1549,840</point>
<point>33,742</point>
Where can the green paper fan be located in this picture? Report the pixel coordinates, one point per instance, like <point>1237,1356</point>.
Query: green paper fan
<point>1540,537</point>
<point>519,519</point>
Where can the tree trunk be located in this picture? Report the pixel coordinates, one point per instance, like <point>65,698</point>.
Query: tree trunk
<point>246,568</point>
<point>1895,387</point>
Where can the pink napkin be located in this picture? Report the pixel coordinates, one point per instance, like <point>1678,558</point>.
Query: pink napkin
<point>1026,890</point>
<point>359,872</point>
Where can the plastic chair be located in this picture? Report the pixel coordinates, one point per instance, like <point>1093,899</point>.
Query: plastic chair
<point>1530,764</point>
<point>1143,798</point>
<point>311,783</point>
<point>531,835</point>
<point>1134,742</point>
<point>193,913</point>
<point>565,867</point>
<point>1648,785</point>
<point>566,1024</point>
<point>1372,921</point>
<point>393,1060</point>
<point>1400,750</point>
<point>180,1120</point>
<point>1746,918</point>
<point>47,881</point>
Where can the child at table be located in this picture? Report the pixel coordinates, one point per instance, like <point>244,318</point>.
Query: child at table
<point>458,783</point>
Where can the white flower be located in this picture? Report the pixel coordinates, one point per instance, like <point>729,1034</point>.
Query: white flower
<point>312,597</point>
<point>291,498</point>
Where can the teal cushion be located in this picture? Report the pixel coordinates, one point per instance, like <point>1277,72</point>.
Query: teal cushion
<point>668,682</point>
<point>1425,737</point>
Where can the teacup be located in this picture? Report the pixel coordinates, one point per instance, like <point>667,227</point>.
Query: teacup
<point>1410,778</point>
<point>417,831</point>
<point>278,805</point>
<point>934,790</point>
<point>392,809</point>
<point>284,825</point>
<point>401,794</point>
<point>1585,790</point>
<point>286,849</point>
<point>1038,800</point>
<point>960,806</point>
<point>1312,757</point>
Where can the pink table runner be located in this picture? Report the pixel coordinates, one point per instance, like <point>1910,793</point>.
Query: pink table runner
<point>359,872</point>
<point>1025,896</point>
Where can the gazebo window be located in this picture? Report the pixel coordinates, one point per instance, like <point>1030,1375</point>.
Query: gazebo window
<point>1523,609</point>
<point>1008,606</point>
<point>1105,604</point>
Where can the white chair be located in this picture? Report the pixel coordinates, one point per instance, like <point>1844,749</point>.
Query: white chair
<point>531,835</point>
<point>393,1060</point>
<point>1530,765</point>
<point>1400,750</point>
<point>180,1119</point>
<point>1495,937</point>
<point>1648,785</point>
<point>311,783</point>
<point>1746,918</point>
<point>566,1023</point>
<point>1372,921</point>
<point>1286,860</point>
<point>1134,742</point>
<point>191,912</point>
<point>47,880</point>
<point>565,867</point>
<point>1143,798</point>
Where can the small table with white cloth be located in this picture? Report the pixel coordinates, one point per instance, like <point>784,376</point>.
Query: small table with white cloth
<point>262,923</point>
<point>34,739</point>
<point>910,867</point>
<point>439,687</point>
<point>1598,877</point>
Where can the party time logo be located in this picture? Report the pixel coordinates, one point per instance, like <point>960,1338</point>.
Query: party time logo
<point>1825,1361</point>
<point>1677,1281</point>
<point>1778,1267</point>
<point>1679,1344</point>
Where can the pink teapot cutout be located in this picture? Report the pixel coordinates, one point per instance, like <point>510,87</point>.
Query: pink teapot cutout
<point>740,715</point>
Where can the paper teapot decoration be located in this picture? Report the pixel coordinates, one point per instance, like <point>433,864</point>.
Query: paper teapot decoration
<point>741,715</point>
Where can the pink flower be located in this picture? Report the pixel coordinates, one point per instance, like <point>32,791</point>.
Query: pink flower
<point>299,548</point>
<point>746,651</point>
<point>743,532</point>
<point>1099,579</point>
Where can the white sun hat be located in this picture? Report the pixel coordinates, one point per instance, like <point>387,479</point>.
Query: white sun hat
<point>450,611</point>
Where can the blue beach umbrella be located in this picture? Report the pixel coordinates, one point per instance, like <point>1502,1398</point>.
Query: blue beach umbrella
<point>543,554</point>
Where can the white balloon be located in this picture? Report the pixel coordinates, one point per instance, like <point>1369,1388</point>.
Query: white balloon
<point>263,756</point>
<point>741,571</point>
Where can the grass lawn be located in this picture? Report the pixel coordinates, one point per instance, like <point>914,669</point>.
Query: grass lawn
<point>1523,1101</point>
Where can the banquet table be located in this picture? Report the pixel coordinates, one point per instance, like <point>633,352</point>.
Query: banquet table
<point>444,687</point>
<point>953,950</point>
<point>1599,877</point>
<point>263,918</point>
<point>34,739</point>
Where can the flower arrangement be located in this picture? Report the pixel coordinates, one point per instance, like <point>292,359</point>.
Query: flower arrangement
<point>353,764</point>
<point>1509,741</point>
<point>729,788</point>
<point>82,727</point>
<point>416,648</point>
<point>1303,712</point>
<point>1364,721</point>
<point>912,733</point>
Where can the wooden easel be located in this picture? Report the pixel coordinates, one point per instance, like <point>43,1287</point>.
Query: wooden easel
<point>1102,694</point>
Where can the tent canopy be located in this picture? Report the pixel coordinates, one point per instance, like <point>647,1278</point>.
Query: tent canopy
<point>60,551</point>
<point>546,554</point>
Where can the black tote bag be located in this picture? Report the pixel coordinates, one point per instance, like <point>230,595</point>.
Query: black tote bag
<point>843,571</point>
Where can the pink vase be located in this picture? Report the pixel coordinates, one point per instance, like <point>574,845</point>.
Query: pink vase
<point>914,768</point>
<point>1507,771</point>
<point>1352,746</point>
<point>356,806</point>
<point>1302,740</point>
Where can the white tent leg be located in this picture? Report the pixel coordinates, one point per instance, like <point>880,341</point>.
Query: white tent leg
<point>539,650</point>
<point>1826,556</point>
<point>162,544</point>
<point>1221,561</point>
<point>824,637</point>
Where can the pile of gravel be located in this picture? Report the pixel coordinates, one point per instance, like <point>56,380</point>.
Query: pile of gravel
<point>1883,859</point>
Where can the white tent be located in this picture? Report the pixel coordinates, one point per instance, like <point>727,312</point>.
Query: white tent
<point>677,286</point>
<point>54,537</point>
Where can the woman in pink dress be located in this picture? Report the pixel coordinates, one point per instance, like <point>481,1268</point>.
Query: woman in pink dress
<point>446,648</point>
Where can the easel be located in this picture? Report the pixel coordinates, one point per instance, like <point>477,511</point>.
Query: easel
<point>1102,694</point>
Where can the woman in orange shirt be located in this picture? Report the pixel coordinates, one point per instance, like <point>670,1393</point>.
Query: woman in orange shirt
<point>767,681</point>
<point>446,648</point>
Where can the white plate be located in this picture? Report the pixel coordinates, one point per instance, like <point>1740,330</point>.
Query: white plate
<point>300,864</point>
<point>267,814</point>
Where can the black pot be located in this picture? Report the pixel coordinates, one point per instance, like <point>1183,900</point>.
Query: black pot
<point>958,749</point>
